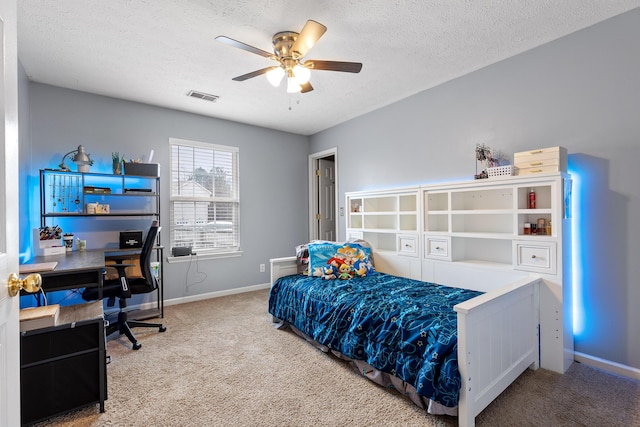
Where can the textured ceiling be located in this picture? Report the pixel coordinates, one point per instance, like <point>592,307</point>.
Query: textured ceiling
<point>156,51</point>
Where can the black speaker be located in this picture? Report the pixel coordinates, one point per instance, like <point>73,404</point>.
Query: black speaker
<point>181,251</point>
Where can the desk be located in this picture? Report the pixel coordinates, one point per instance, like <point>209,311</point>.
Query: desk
<point>64,367</point>
<point>78,269</point>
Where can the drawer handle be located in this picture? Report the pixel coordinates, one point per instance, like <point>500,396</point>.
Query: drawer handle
<point>535,152</point>
<point>406,245</point>
<point>536,164</point>
<point>536,170</point>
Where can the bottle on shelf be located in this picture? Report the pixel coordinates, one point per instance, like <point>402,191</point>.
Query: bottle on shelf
<point>542,226</point>
<point>532,198</point>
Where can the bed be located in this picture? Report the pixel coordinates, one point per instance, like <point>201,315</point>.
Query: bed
<point>450,350</point>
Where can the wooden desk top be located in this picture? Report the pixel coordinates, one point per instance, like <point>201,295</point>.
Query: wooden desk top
<point>70,262</point>
<point>78,261</point>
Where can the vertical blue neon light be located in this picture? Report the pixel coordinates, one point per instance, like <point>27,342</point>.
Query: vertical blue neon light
<point>576,256</point>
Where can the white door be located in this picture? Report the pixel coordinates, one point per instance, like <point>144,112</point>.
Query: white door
<point>9,329</point>
<point>326,199</point>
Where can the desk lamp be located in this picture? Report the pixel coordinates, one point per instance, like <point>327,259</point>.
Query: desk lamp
<point>81,158</point>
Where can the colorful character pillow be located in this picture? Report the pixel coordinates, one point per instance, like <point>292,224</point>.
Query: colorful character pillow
<point>331,260</point>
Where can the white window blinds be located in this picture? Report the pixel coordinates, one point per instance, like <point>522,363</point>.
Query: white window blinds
<point>204,199</point>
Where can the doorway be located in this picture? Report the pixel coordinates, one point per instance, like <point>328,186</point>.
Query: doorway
<point>323,195</point>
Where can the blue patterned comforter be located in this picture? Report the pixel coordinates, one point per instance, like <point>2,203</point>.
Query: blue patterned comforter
<point>404,327</point>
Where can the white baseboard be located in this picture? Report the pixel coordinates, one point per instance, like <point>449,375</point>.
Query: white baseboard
<point>216,294</point>
<point>199,297</point>
<point>607,365</point>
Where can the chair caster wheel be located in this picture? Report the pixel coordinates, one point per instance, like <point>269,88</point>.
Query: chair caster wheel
<point>136,346</point>
<point>162,328</point>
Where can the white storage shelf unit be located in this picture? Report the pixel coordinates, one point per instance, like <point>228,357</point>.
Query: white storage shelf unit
<point>479,220</point>
<point>386,219</point>
<point>471,234</point>
<point>474,232</point>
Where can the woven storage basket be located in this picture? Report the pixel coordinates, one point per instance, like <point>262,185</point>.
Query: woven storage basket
<point>500,171</point>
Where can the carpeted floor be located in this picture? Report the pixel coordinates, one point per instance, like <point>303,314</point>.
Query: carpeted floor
<point>221,363</point>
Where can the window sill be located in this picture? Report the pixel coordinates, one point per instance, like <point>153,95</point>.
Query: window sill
<point>205,255</point>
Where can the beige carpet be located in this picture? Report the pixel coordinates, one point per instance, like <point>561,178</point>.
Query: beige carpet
<point>221,363</point>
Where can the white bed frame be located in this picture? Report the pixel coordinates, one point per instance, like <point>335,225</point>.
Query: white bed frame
<point>497,339</point>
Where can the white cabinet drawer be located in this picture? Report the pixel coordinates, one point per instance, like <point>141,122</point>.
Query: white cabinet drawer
<point>538,257</point>
<point>532,163</point>
<point>437,247</point>
<point>520,170</point>
<point>545,160</point>
<point>408,245</point>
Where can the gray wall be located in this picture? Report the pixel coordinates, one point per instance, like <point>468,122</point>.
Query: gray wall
<point>581,92</point>
<point>273,169</point>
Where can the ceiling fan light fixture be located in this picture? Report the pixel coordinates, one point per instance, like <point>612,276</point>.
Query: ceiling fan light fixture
<point>302,74</point>
<point>292,85</point>
<point>289,50</point>
<point>275,76</point>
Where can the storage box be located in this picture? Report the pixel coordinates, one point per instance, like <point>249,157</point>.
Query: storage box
<point>130,239</point>
<point>142,169</point>
<point>500,171</point>
<point>102,209</point>
<point>97,208</point>
<point>48,246</point>
<point>541,161</point>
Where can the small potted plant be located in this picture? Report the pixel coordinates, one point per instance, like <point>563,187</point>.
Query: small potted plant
<point>117,162</point>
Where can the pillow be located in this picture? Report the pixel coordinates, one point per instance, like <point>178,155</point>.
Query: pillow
<point>364,244</point>
<point>302,259</point>
<point>331,260</point>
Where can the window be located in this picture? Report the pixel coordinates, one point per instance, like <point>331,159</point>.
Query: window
<point>204,197</point>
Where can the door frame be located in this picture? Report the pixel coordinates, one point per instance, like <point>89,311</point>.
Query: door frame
<point>313,190</point>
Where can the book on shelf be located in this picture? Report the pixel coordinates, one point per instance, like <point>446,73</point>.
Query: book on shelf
<point>138,190</point>
<point>96,190</point>
<point>39,317</point>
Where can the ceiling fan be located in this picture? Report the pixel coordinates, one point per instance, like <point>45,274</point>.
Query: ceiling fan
<point>289,49</point>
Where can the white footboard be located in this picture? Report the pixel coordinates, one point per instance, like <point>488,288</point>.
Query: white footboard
<point>497,341</point>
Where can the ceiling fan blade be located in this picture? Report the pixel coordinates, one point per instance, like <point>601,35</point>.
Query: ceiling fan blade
<point>253,74</point>
<point>310,34</point>
<point>306,87</point>
<point>244,46</point>
<point>347,67</point>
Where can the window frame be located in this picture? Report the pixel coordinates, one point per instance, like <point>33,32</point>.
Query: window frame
<point>226,251</point>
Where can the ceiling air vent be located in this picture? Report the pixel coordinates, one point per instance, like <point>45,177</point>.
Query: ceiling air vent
<point>202,95</point>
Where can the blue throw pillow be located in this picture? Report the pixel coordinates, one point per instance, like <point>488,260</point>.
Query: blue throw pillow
<point>332,260</point>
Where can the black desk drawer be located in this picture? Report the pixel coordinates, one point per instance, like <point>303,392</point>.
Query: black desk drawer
<point>40,345</point>
<point>53,281</point>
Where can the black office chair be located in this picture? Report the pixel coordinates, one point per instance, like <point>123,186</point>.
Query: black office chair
<point>123,287</point>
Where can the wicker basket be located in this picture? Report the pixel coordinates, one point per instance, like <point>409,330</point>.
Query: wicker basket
<point>500,171</point>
